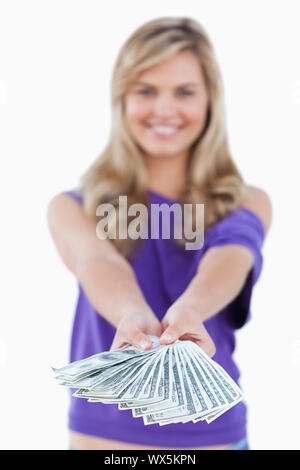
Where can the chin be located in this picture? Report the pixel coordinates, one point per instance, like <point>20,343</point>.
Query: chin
<point>161,154</point>
<point>161,151</point>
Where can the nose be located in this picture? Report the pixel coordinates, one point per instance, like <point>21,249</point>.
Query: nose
<point>164,106</point>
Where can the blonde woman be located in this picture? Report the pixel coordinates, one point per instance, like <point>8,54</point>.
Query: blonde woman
<point>168,144</point>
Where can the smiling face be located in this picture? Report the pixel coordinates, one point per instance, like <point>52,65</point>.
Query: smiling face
<point>166,107</point>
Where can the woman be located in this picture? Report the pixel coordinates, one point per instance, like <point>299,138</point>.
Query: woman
<point>168,144</point>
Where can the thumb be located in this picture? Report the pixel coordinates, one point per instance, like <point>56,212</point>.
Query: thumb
<point>117,343</point>
<point>141,341</point>
<point>155,329</point>
<point>170,335</point>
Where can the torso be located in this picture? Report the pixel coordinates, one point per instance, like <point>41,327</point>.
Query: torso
<point>80,441</point>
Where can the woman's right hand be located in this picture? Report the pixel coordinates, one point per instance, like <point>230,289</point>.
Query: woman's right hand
<point>134,328</point>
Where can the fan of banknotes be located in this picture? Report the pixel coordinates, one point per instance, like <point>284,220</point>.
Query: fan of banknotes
<point>167,384</point>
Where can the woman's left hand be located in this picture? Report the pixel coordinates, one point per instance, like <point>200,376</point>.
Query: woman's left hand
<point>183,321</point>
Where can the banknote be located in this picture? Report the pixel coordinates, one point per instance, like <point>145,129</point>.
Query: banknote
<point>174,383</point>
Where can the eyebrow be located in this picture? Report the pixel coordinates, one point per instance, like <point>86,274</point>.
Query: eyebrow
<point>179,86</point>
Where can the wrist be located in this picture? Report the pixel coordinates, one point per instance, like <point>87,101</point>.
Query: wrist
<point>189,305</point>
<point>135,309</point>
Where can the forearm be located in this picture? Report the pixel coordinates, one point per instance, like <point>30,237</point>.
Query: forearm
<point>217,282</point>
<point>111,287</point>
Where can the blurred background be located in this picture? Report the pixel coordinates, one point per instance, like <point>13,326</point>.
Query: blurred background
<point>56,59</point>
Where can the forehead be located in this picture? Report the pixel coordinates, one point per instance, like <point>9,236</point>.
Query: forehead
<point>183,67</point>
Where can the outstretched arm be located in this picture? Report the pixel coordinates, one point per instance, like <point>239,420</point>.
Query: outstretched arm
<point>220,277</point>
<point>105,275</point>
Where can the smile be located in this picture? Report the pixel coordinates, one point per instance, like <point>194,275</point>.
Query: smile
<point>165,132</point>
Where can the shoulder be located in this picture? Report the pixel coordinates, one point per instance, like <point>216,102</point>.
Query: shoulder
<point>63,204</point>
<point>257,200</point>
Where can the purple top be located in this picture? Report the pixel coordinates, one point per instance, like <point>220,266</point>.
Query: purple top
<point>163,272</point>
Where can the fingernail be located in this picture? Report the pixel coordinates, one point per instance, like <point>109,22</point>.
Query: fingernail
<point>144,343</point>
<point>167,338</point>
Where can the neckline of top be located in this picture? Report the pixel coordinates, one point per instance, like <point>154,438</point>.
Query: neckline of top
<point>162,196</point>
<point>245,209</point>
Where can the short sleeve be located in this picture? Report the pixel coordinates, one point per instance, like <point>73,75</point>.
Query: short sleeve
<point>75,194</point>
<point>243,227</point>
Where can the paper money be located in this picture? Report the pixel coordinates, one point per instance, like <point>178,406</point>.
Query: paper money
<point>173,383</point>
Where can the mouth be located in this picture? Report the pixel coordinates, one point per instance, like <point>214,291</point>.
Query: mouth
<point>164,132</point>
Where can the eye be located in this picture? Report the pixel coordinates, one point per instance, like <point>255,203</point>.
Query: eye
<point>144,92</point>
<point>186,92</point>
<point>148,92</point>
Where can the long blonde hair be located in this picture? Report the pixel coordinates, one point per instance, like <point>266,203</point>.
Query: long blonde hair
<point>212,177</point>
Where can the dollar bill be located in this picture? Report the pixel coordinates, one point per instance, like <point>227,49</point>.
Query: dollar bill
<point>174,383</point>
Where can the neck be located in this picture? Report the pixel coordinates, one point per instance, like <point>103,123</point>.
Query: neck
<point>167,175</point>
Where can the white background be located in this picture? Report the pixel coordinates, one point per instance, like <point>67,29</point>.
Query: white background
<point>56,59</point>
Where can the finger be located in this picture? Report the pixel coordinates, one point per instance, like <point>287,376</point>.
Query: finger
<point>155,329</point>
<point>113,344</point>
<point>141,341</point>
<point>117,344</point>
<point>164,324</point>
<point>171,334</point>
<point>208,346</point>
<point>208,343</point>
